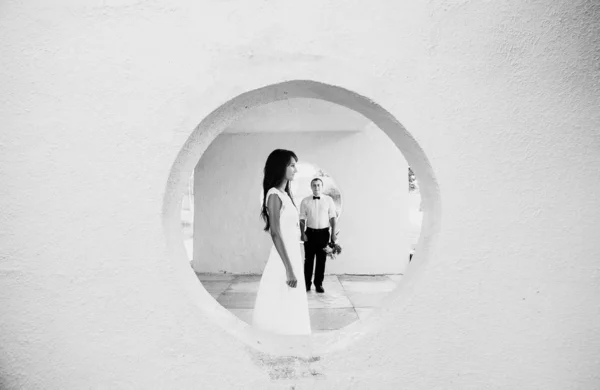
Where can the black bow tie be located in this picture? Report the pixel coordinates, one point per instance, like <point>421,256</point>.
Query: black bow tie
<point>316,197</point>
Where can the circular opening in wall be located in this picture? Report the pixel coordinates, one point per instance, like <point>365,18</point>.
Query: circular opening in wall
<point>196,148</point>
<point>230,251</point>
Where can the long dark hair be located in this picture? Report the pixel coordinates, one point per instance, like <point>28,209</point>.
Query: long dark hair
<point>275,169</point>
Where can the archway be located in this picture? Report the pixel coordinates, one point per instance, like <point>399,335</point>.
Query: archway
<point>220,119</point>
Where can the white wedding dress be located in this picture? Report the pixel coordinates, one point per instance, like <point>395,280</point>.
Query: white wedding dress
<point>279,308</point>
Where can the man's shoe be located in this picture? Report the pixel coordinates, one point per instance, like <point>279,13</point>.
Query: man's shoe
<point>320,289</point>
<point>307,289</point>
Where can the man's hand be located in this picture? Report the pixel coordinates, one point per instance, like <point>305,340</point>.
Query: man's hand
<point>303,237</point>
<point>334,237</point>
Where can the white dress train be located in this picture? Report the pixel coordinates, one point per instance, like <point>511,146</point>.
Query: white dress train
<point>279,308</point>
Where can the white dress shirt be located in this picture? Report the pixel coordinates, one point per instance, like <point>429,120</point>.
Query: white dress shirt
<point>317,212</point>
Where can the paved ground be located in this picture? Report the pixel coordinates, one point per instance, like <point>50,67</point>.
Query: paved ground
<point>347,298</point>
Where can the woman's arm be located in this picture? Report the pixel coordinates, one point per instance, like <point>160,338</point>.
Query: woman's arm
<point>274,207</point>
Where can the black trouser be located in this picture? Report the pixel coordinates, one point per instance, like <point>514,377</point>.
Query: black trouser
<point>316,241</point>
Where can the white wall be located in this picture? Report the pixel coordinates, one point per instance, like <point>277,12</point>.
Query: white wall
<point>369,169</point>
<point>98,98</point>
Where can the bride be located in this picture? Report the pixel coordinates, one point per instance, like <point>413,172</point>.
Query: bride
<point>281,306</point>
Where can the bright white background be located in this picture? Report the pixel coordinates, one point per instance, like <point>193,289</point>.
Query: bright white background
<point>98,99</point>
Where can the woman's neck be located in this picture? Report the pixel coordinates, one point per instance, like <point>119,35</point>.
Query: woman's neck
<point>281,187</point>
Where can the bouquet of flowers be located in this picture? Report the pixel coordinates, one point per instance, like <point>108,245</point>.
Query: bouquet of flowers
<point>333,249</point>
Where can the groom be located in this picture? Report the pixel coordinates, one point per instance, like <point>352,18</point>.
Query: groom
<point>317,214</point>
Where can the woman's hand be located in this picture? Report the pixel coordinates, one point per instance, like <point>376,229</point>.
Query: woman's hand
<point>291,279</point>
